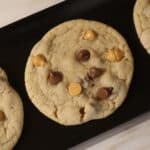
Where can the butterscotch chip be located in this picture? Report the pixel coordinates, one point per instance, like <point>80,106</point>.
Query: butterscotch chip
<point>90,35</point>
<point>74,89</point>
<point>39,60</point>
<point>114,55</point>
<point>2,116</point>
<point>83,55</point>
<point>55,77</point>
<point>103,93</point>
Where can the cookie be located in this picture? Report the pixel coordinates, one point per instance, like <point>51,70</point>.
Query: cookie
<point>11,114</point>
<point>79,71</point>
<point>141,17</point>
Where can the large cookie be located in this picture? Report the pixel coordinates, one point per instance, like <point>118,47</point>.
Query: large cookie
<point>142,22</point>
<point>79,71</point>
<point>11,114</point>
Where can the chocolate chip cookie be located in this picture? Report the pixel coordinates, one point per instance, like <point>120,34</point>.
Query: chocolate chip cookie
<point>142,22</point>
<point>11,114</point>
<point>79,71</point>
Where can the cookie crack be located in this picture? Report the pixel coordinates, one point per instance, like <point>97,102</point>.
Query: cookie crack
<point>82,113</point>
<point>56,112</point>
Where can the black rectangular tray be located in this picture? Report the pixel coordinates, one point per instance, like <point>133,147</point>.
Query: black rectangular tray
<point>16,41</point>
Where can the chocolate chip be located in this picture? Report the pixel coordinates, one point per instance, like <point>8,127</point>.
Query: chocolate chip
<point>55,77</point>
<point>95,72</point>
<point>2,116</point>
<point>104,93</point>
<point>87,78</point>
<point>83,55</point>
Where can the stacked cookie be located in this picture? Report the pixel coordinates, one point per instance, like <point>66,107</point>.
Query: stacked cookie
<point>79,71</point>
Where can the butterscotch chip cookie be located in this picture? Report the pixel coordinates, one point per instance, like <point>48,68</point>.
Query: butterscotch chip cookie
<point>141,17</point>
<point>11,114</point>
<point>86,73</point>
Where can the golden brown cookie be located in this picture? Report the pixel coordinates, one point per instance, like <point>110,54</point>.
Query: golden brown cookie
<point>141,16</point>
<point>11,114</point>
<point>86,74</point>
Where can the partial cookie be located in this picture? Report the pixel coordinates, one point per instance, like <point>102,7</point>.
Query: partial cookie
<point>79,71</point>
<point>11,114</point>
<point>142,22</point>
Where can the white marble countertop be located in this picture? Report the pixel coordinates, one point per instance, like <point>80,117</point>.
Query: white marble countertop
<point>133,135</point>
<point>13,10</point>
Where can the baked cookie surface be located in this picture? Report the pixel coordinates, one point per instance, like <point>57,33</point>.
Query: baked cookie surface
<point>11,114</point>
<point>79,71</point>
<point>142,22</point>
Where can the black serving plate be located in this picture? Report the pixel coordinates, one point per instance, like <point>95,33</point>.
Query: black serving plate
<point>16,41</point>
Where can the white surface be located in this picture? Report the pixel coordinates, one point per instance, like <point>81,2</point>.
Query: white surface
<point>134,135</point>
<point>13,10</point>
